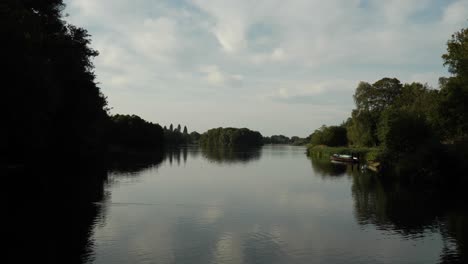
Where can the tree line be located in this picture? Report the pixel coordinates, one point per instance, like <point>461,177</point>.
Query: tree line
<point>231,137</point>
<point>282,139</point>
<point>413,124</point>
<point>52,103</point>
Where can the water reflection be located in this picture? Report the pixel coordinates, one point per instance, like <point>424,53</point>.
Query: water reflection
<point>180,154</point>
<point>274,212</point>
<point>231,155</point>
<point>324,168</point>
<point>133,163</point>
<point>188,210</point>
<point>412,212</point>
<point>50,212</point>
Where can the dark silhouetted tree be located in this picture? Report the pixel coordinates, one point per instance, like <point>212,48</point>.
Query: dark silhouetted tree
<point>51,101</point>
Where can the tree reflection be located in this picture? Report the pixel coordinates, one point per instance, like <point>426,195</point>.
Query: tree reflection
<point>412,212</point>
<point>135,162</point>
<point>231,154</point>
<point>50,218</point>
<point>325,168</point>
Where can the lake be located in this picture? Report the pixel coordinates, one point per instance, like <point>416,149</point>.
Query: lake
<point>268,205</point>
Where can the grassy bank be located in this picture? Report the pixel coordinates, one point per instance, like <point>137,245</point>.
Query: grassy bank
<point>363,153</point>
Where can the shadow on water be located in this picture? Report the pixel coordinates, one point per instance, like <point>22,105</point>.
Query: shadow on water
<point>135,162</point>
<point>53,207</point>
<point>324,168</point>
<point>50,212</point>
<point>228,155</point>
<point>412,212</point>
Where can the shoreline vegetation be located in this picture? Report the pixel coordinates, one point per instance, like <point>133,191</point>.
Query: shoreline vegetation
<point>364,154</point>
<point>60,136</point>
<point>409,129</point>
<point>56,110</point>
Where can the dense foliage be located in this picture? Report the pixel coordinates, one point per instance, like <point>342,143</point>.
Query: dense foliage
<point>281,139</point>
<point>132,132</point>
<point>332,136</point>
<point>231,137</point>
<point>415,126</point>
<point>277,139</point>
<point>50,98</point>
<point>177,136</point>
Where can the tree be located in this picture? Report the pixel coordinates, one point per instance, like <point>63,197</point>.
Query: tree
<point>332,136</point>
<point>179,129</point>
<point>456,57</point>
<point>135,133</point>
<point>185,130</point>
<point>231,137</point>
<point>51,101</point>
<point>401,131</point>
<point>453,108</point>
<point>371,100</point>
<point>171,128</point>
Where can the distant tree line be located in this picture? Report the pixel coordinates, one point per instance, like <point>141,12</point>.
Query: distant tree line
<point>281,139</point>
<point>51,101</point>
<point>413,124</point>
<point>231,137</point>
<point>132,132</point>
<point>177,136</point>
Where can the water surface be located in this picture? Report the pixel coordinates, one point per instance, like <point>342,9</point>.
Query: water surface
<point>269,205</point>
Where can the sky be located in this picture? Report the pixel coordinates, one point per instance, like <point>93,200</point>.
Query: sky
<point>275,66</point>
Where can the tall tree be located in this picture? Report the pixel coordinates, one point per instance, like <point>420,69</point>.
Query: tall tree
<point>454,90</point>
<point>185,130</point>
<point>371,100</point>
<point>51,103</point>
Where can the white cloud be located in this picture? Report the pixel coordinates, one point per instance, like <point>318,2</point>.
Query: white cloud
<point>214,76</point>
<point>299,51</point>
<point>456,13</point>
<point>155,38</point>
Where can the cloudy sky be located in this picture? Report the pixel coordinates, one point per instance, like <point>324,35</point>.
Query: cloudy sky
<point>279,67</point>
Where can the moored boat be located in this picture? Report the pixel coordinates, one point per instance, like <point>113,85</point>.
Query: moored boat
<point>344,158</point>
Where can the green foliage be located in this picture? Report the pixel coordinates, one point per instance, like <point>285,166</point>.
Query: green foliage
<point>361,129</point>
<point>231,137</point>
<point>276,139</point>
<point>378,96</point>
<point>371,100</point>
<point>363,153</point>
<point>456,57</point>
<point>298,141</point>
<point>330,136</point>
<point>453,107</point>
<point>402,131</point>
<point>194,137</point>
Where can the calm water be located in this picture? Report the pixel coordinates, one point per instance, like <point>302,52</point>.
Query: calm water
<point>271,205</point>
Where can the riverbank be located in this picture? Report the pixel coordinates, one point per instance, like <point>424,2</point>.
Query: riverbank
<point>364,154</point>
